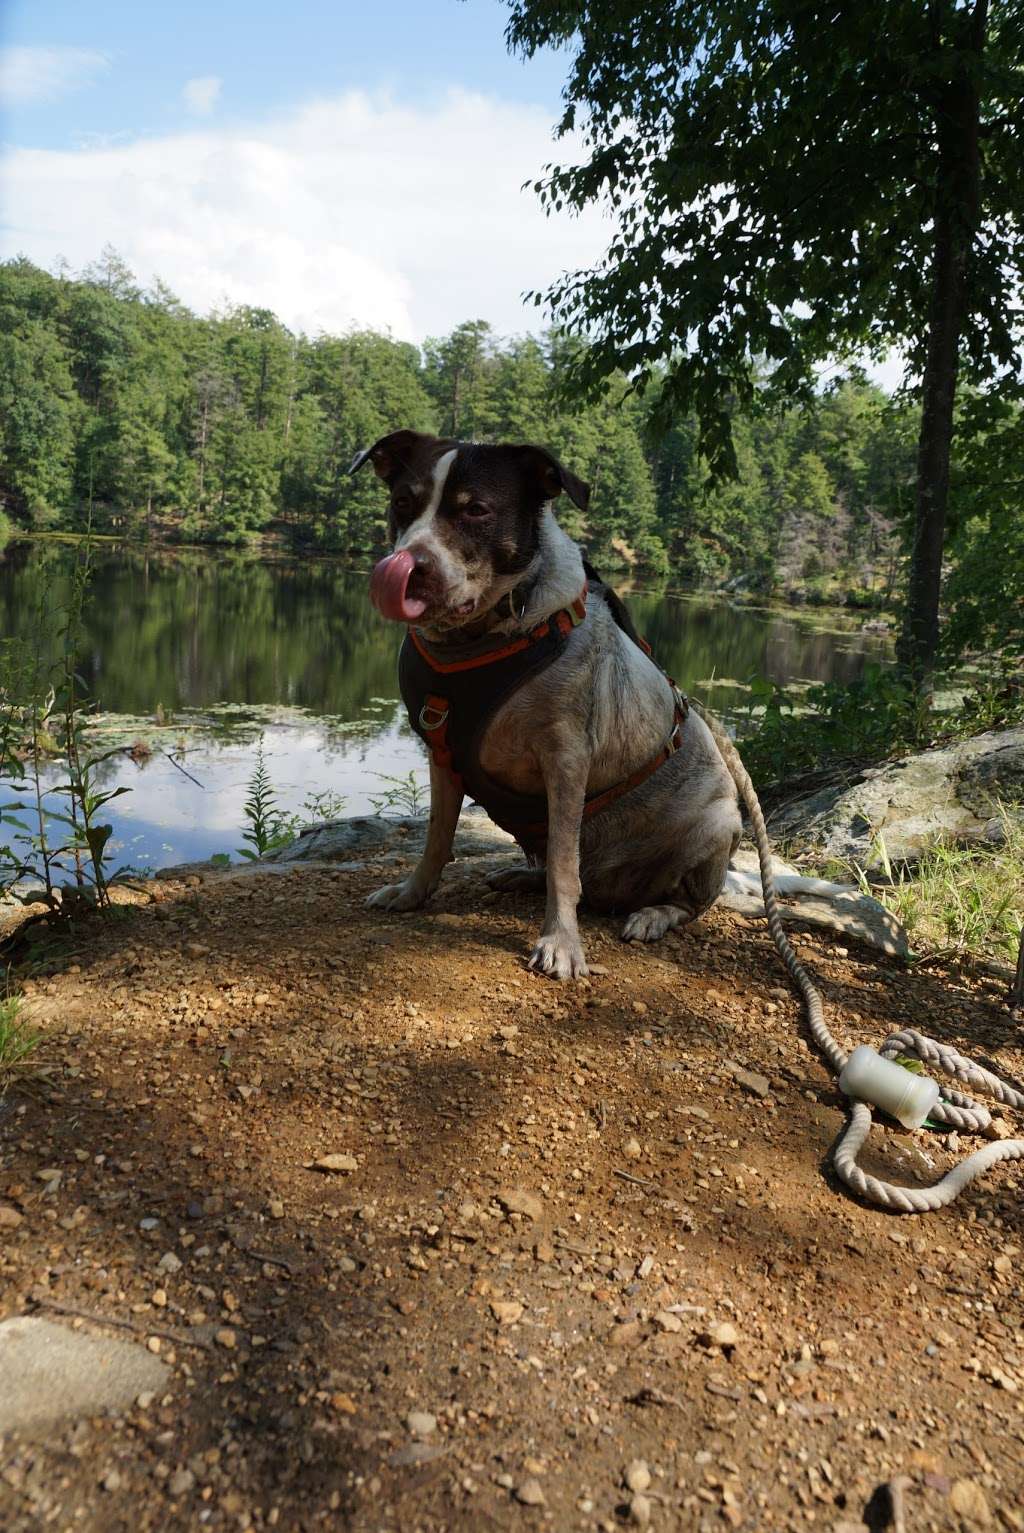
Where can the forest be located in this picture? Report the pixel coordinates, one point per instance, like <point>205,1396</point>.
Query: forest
<point>123,411</point>
<point>119,404</point>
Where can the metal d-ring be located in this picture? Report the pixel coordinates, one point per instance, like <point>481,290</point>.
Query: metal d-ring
<point>438,721</point>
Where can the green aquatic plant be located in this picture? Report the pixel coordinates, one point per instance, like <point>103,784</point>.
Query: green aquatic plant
<point>267,824</point>
<point>58,853</point>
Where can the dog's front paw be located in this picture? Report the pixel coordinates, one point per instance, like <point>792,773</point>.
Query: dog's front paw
<point>560,955</point>
<point>404,896</point>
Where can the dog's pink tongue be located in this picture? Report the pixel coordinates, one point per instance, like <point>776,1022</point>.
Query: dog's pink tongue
<point>388,585</point>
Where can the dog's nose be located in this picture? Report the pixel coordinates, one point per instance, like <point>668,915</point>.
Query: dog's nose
<point>424,572</point>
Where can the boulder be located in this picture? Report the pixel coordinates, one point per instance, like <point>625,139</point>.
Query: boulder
<point>840,908</point>
<point>955,793</point>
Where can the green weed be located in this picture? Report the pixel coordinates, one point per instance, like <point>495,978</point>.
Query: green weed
<point>52,837</point>
<point>400,795</point>
<point>267,824</point>
<point>271,827</point>
<point>17,1041</point>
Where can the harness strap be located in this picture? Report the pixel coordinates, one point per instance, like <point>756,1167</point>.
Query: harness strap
<point>620,789</point>
<point>592,806</point>
<point>434,719</point>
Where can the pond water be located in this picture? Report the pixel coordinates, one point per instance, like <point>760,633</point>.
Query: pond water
<point>202,654</point>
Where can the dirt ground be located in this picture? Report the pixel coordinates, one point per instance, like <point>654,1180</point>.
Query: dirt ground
<point>576,1275</point>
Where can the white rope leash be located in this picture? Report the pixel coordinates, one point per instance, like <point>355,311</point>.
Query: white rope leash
<point>956,1109</point>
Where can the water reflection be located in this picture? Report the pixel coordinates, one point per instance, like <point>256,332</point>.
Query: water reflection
<point>177,632</point>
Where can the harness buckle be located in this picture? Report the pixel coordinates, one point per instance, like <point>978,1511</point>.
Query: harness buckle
<point>432,718</point>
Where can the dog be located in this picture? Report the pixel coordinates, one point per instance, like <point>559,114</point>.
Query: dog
<point>535,696</point>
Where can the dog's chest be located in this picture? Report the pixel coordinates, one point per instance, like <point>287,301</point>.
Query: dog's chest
<point>605,716</point>
<point>511,747</point>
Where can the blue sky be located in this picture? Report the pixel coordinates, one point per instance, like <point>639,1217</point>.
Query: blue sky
<point>344,164</point>
<point>267,56</point>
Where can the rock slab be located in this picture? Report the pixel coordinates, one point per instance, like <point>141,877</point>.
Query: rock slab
<point>953,793</point>
<point>50,1371</point>
<point>372,835</point>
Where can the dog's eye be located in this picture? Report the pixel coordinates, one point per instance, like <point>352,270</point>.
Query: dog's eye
<point>401,503</point>
<point>475,510</point>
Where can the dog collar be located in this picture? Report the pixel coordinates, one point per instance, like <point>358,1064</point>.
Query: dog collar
<point>489,652</point>
<point>515,602</point>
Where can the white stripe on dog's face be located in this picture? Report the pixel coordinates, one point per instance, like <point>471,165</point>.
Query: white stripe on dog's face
<point>422,531</point>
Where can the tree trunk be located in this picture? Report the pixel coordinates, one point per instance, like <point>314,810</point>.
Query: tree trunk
<point>957,197</point>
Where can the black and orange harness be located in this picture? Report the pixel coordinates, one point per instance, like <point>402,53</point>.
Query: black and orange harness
<point>451,701</point>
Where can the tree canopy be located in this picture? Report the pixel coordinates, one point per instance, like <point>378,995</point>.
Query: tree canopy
<point>795,182</point>
<point>118,404</point>
<point>121,410</point>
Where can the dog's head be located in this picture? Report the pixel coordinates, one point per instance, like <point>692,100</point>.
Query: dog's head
<point>464,520</point>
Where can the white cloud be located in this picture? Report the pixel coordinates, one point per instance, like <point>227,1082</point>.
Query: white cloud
<point>30,75</point>
<point>349,211</point>
<point>200,95</point>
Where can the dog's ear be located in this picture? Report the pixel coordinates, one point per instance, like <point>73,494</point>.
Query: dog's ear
<point>389,453</point>
<point>553,478</point>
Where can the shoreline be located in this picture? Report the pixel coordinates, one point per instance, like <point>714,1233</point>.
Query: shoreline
<point>798,600</point>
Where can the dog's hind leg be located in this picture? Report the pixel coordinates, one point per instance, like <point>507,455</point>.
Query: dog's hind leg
<point>652,921</point>
<point>697,886</point>
<point>518,880</point>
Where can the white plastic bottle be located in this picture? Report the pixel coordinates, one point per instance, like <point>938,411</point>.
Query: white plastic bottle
<point>903,1095</point>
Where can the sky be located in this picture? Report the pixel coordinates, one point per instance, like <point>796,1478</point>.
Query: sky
<point>342,163</point>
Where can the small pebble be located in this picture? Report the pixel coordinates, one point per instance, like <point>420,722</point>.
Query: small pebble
<point>637,1476</point>
<point>530,1493</point>
<point>336,1162</point>
<point>181,1482</point>
<point>506,1311</point>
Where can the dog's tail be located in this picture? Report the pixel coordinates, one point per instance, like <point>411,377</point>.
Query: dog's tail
<point>806,986</point>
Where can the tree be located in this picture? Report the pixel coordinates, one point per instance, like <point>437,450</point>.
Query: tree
<point>459,375</point>
<point>37,418</point>
<point>986,586</point>
<point>796,181</point>
<point>217,429</point>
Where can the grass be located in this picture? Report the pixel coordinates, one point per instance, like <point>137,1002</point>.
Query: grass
<point>17,1040</point>
<point>957,902</point>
